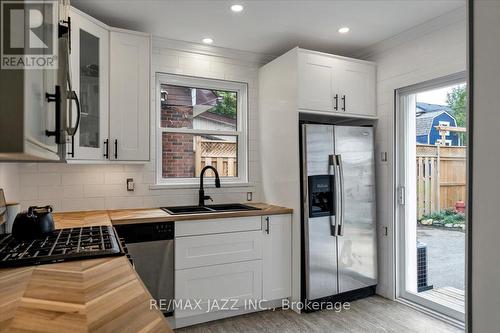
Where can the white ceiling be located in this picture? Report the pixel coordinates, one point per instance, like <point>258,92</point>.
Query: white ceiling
<point>272,26</point>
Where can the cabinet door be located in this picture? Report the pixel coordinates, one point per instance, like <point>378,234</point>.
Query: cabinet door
<point>277,257</point>
<point>356,88</point>
<point>129,96</point>
<point>241,281</point>
<point>316,83</point>
<point>90,80</point>
<point>38,112</point>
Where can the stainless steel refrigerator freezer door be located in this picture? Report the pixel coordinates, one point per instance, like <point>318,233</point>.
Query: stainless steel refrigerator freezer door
<point>320,245</point>
<point>357,240</point>
<point>319,146</point>
<point>321,259</point>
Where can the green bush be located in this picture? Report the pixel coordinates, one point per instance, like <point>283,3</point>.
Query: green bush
<point>457,218</point>
<point>445,216</point>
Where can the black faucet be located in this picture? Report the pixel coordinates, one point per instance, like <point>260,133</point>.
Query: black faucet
<point>202,196</point>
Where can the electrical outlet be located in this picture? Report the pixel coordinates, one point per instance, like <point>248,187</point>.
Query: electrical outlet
<point>130,184</point>
<point>383,156</point>
<point>249,196</point>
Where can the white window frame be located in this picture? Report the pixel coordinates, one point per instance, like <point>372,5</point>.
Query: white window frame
<point>241,132</point>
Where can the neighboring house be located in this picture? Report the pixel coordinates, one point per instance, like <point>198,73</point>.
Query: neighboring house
<point>428,117</point>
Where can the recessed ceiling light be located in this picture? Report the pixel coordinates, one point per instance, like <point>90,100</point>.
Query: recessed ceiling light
<point>344,30</point>
<point>207,40</point>
<point>237,8</point>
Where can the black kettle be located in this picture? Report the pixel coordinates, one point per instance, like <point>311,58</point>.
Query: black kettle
<point>37,222</point>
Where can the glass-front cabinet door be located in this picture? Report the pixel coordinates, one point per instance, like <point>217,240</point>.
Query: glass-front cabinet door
<point>90,78</point>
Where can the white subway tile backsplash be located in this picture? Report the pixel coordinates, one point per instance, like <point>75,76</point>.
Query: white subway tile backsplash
<point>70,204</point>
<point>83,178</point>
<point>29,192</point>
<point>60,191</point>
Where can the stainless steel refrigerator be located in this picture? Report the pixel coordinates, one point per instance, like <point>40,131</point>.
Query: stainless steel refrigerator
<point>339,220</point>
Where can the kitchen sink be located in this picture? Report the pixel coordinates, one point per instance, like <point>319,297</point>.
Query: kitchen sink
<point>233,207</point>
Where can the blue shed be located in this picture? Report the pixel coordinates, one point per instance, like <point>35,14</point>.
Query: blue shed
<point>428,117</point>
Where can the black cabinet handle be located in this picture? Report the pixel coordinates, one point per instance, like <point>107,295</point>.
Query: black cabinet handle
<point>336,99</point>
<point>56,98</point>
<point>72,152</point>
<point>116,149</point>
<point>267,225</point>
<point>106,149</point>
<point>343,103</point>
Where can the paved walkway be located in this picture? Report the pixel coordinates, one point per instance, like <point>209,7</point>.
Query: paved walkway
<point>445,256</point>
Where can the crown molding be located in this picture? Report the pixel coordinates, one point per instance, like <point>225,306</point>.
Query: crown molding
<point>257,59</point>
<point>430,26</point>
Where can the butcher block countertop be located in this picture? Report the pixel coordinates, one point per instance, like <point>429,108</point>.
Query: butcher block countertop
<point>96,295</point>
<point>127,216</point>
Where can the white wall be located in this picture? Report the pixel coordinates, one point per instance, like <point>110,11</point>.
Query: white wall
<point>88,187</point>
<point>485,161</point>
<point>429,51</point>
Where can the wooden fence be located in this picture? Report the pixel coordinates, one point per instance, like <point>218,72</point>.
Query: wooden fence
<point>441,177</point>
<point>219,154</point>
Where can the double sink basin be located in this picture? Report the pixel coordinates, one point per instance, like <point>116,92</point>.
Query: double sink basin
<point>220,208</point>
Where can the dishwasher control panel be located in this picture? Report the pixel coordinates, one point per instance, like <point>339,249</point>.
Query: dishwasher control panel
<point>146,232</point>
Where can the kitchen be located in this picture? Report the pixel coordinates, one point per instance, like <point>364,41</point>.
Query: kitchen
<point>195,178</point>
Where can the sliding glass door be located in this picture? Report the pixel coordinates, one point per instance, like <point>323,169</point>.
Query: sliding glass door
<point>431,195</point>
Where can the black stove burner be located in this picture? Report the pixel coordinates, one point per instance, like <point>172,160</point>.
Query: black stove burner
<point>60,245</point>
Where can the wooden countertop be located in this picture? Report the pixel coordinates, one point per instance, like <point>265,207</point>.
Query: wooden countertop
<point>96,295</point>
<point>126,216</point>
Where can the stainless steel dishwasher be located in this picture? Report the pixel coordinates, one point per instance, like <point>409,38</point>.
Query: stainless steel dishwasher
<point>151,246</point>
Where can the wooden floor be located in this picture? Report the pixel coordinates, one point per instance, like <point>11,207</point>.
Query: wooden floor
<point>451,297</point>
<point>373,314</point>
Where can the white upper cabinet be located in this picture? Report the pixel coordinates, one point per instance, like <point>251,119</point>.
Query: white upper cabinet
<point>317,83</point>
<point>110,73</point>
<point>90,81</point>
<point>277,257</point>
<point>335,84</point>
<point>129,95</point>
<point>357,88</point>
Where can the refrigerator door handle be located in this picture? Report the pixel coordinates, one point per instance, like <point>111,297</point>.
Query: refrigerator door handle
<point>340,177</point>
<point>333,218</point>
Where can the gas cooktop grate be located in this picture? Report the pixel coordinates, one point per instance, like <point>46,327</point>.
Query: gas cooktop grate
<point>60,245</point>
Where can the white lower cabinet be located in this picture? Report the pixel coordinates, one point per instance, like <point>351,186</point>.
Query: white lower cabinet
<point>212,285</point>
<point>277,257</point>
<point>238,263</point>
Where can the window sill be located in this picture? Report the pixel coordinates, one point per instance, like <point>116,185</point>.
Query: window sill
<point>197,186</point>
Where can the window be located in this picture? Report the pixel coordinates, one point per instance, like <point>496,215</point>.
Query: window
<point>200,122</point>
